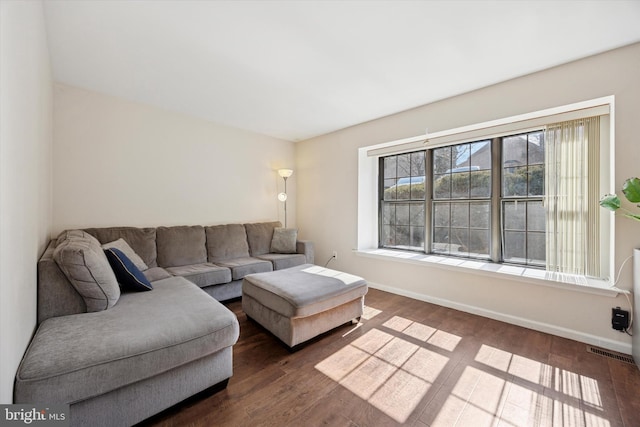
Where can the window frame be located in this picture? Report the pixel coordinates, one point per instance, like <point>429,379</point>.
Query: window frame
<point>466,200</point>
<point>526,199</point>
<point>410,201</point>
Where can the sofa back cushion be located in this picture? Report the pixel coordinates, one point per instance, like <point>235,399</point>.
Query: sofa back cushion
<point>226,242</point>
<point>259,236</point>
<point>83,261</point>
<point>141,240</point>
<point>181,245</point>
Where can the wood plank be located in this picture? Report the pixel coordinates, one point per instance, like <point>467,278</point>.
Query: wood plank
<point>418,364</point>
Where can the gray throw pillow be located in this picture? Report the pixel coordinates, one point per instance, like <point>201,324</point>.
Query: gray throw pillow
<point>86,266</point>
<point>124,247</point>
<point>284,240</point>
<point>76,234</point>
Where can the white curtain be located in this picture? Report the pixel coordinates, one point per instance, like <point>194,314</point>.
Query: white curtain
<point>572,195</point>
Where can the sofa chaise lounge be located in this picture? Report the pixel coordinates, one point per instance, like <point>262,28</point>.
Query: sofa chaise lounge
<point>146,351</point>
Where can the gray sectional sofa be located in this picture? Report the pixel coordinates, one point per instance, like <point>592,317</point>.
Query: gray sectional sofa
<point>118,359</point>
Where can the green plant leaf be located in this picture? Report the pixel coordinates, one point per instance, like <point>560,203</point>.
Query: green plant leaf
<point>610,201</point>
<point>631,190</point>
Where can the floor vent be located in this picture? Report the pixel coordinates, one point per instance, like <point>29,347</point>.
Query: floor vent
<point>611,355</point>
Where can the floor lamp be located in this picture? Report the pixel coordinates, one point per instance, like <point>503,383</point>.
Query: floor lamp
<point>284,173</point>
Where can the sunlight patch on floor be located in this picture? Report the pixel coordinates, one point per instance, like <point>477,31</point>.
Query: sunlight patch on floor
<point>482,399</point>
<point>518,366</point>
<point>522,391</point>
<point>423,333</point>
<point>370,312</point>
<point>391,373</point>
<point>393,369</point>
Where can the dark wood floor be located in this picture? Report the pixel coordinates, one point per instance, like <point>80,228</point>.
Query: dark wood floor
<point>417,364</point>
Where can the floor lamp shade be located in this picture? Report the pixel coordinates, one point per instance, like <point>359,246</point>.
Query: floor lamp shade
<point>285,173</point>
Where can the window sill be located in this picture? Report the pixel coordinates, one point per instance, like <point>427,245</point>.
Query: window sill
<point>511,272</point>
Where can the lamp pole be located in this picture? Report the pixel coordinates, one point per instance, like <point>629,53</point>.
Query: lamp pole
<point>285,201</point>
<point>284,173</point>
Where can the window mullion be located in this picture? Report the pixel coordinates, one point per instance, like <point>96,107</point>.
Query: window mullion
<point>496,194</point>
<point>428,200</point>
<point>381,201</point>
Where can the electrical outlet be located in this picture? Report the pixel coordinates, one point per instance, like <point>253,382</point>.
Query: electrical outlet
<point>619,319</point>
<point>335,254</point>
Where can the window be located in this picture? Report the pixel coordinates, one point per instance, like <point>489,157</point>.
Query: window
<point>523,213</point>
<point>485,199</point>
<point>461,199</point>
<point>520,190</point>
<point>402,204</point>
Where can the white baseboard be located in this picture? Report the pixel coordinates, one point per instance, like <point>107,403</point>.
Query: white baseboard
<point>514,320</point>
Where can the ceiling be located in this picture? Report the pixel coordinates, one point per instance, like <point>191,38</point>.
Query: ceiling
<point>298,69</point>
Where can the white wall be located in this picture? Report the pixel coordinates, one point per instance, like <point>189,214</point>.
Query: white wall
<point>328,182</point>
<point>25,176</point>
<point>118,162</point>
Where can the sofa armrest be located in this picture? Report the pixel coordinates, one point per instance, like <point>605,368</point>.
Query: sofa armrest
<point>305,247</point>
<point>56,295</point>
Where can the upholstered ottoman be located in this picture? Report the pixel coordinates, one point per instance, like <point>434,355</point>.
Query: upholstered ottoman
<point>299,303</point>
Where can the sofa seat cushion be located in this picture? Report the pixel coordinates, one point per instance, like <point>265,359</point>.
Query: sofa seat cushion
<point>205,274</point>
<point>281,261</point>
<point>240,267</point>
<point>304,290</point>
<point>77,357</point>
<point>156,273</point>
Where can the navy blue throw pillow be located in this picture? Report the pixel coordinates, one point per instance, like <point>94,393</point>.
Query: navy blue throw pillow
<point>126,271</point>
